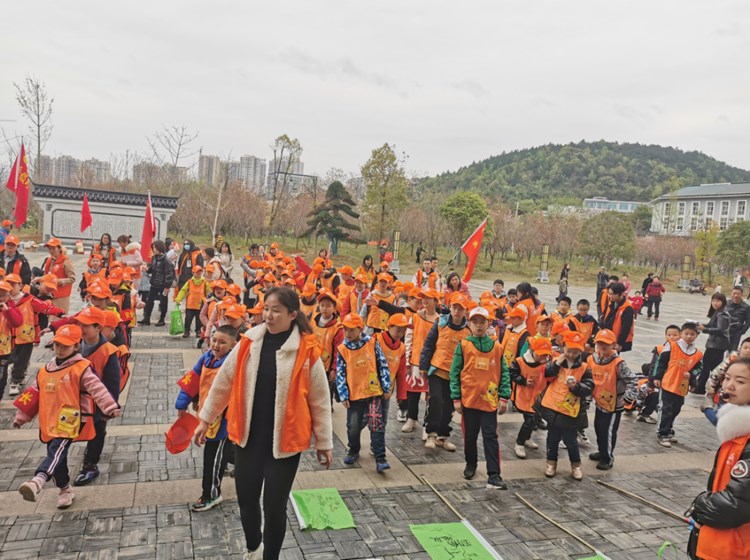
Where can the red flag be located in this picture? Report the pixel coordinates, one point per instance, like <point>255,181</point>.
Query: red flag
<point>18,182</point>
<point>86,219</point>
<point>28,402</point>
<point>190,383</point>
<point>149,231</point>
<point>471,249</point>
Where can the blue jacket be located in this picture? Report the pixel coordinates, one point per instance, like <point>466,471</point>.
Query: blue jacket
<point>183,399</point>
<point>382,364</point>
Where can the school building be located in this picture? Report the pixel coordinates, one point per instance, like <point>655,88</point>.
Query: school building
<point>695,208</point>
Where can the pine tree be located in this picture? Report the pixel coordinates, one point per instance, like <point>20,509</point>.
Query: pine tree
<point>333,217</point>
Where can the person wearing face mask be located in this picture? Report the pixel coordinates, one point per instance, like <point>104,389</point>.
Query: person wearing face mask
<point>189,258</point>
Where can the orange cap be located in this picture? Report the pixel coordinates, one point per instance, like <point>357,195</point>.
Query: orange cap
<point>541,318</point>
<point>227,302</point>
<point>14,278</point>
<point>257,310</point>
<point>270,278</point>
<point>7,223</point>
<point>348,270</point>
<point>353,321</point>
<point>415,293</point>
<point>68,335</point>
<point>384,277</point>
<point>274,246</point>
<point>398,320</point>
<point>430,293</point>
<point>408,286</point>
<point>110,318</point>
<point>325,293</point>
<point>254,264</point>
<point>99,290</point>
<point>361,278</point>
<point>234,289</point>
<point>516,312</point>
<point>574,340</point>
<point>317,269</point>
<point>457,298</point>
<point>219,284</point>
<point>560,327</point>
<point>197,268</point>
<point>90,316</point>
<point>235,311</point>
<point>540,346</point>
<point>606,336</point>
<point>12,239</point>
<point>51,242</point>
<point>4,286</point>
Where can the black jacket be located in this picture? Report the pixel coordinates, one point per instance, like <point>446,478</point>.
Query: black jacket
<point>717,330</point>
<point>161,271</point>
<point>740,317</point>
<point>25,270</point>
<point>581,390</point>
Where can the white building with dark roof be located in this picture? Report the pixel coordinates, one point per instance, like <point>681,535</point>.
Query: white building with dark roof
<point>695,208</point>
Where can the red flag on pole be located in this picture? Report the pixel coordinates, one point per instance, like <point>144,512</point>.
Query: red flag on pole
<point>13,177</point>
<point>471,249</point>
<point>20,175</point>
<point>149,231</point>
<point>86,219</point>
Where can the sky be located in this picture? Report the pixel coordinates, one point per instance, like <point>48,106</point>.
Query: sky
<point>447,83</point>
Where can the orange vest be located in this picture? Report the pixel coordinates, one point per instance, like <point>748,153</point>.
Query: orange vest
<point>532,312</point>
<point>136,268</point>
<point>26,333</point>
<point>112,257</point>
<point>327,283</point>
<point>605,383</point>
<point>480,377</point>
<point>431,279</point>
<point>720,544</point>
<point>89,277</point>
<point>352,295</point>
<point>60,410</point>
<point>558,397</point>
<point>510,344</point>
<point>344,291</point>
<point>524,396</point>
<point>126,315</point>
<point>604,302</point>
<point>586,329</point>
<point>557,317</point>
<point>445,347</point>
<point>392,356</point>
<point>307,308</point>
<point>419,334</point>
<point>297,421</point>
<point>100,356</point>
<point>6,336</point>
<point>325,338</point>
<point>207,378</point>
<point>193,259</point>
<point>376,317</point>
<point>617,325</point>
<point>123,355</point>
<point>57,267</point>
<point>674,380</point>
<point>361,371</point>
<point>196,294</point>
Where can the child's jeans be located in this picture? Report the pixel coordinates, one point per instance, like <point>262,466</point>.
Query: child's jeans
<point>357,417</point>
<point>439,407</point>
<point>21,356</point>
<point>606,425</point>
<point>711,413</point>
<point>472,421</point>
<point>214,464</point>
<point>569,436</point>
<point>4,365</point>
<point>527,428</point>
<point>55,464</point>
<point>671,405</point>
<point>191,314</point>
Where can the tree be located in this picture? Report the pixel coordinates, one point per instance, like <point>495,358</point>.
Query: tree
<point>330,217</point>
<point>641,217</point>
<point>36,105</point>
<point>734,245</point>
<point>463,212</point>
<point>385,190</point>
<point>607,237</point>
<point>286,155</point>
<point>169,146</point>
<point>504,225</point>
<point>706,248</point>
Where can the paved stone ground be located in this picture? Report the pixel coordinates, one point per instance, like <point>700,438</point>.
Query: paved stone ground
<point>139,506</point>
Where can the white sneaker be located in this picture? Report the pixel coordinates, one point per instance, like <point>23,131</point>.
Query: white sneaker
<point>14,389</point>
<point>254,554</point>
<point>401,416</point>
<point>424,434</point>
<point>520,451</point>
<point>562,445</point>
<point>445,444</point>
<point>409,426</point>
<point>583,438</point>
<point>531,444</point>
<point>431,441</point>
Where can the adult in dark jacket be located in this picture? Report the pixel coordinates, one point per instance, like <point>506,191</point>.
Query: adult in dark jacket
<point>646,281</point>
<point>722,512</point>
<point>162,277</point>
<point>620,317</point>
<point>601,281</point>
<point>14,262</point>
<point>717,344</point>
<point>739,311</point>
<point>191,256</point>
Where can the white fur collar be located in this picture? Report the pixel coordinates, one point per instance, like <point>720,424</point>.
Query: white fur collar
<point>734,421</point>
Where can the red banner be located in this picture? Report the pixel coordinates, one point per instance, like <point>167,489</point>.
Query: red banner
<point>18,182</point>
<point>86,219</point>
<point>190,383</point>
<point>149,231</point>
<point>471,249</point>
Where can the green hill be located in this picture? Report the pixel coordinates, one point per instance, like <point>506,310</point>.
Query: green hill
<point>566,174</point>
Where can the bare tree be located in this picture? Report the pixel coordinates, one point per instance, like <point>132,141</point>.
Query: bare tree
<point>286,154</point>
<point>36,105</point>
<point>170,146</point>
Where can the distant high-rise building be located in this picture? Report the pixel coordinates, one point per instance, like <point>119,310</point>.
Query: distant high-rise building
<point>252,172</point>
<point>209,169</point>
<point>291,184</point>
<point>146,173</point>
<point>283,166</point>
<point>71,172</point>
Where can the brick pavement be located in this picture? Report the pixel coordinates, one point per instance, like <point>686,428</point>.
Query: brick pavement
<point>156,522</point>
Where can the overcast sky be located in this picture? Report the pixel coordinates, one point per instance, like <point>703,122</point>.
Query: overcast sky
<point>447,82</point>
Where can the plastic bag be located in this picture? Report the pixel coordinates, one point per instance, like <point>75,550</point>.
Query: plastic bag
<point>176,326</point>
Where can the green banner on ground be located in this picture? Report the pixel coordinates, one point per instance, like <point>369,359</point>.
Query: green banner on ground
<point>453,541</point>
<point>321,509</point>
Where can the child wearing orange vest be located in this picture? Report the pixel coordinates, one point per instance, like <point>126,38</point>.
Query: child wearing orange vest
<point>416,381</point>
<point>435,362</point>
<point>722,513</point>
<point>26,335</point>
<point>308,300</point>
<point>194,387</point>
<point>376,319</point>
<point>62,397</point>
<point>527,375</point>
<point>106,365</point>
<point>480,389</point>
<point>363,381</point>
<point>10,318</point>
<point>327,328</point>
<point>355,300</point>
<point>584,323</point>
<point>571,382</point>
<point>679,365</point>
<point>394,350</point>
<point>515,336</point>
<point>563,312</point>
<point>196,291</point>
<point>612,379</point>
<point>95,270</point>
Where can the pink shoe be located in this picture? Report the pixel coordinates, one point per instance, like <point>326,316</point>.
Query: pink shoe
<point>30,490</point>
<point>65,499</point>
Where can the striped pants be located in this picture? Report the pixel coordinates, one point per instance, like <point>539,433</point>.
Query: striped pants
<point>214,464</point>
<point>606,425</point>
<point>55,464</point>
